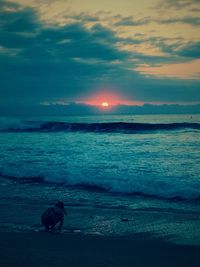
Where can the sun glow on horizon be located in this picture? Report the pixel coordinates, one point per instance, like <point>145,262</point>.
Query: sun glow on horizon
<point>105,104</point>
<point>107,99</point>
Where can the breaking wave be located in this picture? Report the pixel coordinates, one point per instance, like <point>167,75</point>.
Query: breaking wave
<point>169,192</point>
<point>110,127</point>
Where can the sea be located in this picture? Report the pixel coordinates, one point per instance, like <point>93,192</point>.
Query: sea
<point>119,175</point>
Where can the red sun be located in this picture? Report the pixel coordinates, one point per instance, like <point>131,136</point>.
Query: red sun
<point>105,104</point>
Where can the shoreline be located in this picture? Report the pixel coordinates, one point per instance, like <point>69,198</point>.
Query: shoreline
<point>53,249</point>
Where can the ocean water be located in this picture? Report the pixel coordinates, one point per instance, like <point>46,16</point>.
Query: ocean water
<point>116,174</point>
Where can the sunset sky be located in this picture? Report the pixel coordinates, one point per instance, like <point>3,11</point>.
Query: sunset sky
<point>91,51</point>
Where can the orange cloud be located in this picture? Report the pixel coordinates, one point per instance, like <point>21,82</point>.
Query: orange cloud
<point>186,70</point>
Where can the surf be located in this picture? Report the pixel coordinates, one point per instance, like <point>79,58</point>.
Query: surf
<point>107,127</point>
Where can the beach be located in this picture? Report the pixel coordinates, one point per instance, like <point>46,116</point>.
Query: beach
<point>43,249</point>
<point>130,189</point>
<point>99,133</point>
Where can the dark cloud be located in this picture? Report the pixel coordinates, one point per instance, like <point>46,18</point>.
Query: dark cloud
<point>177,4</point>
<point>40,62</point>
<point>188,51</point>
<point>191,50</point>
<point>195,21</point>
<point>21,21</point>
<point>47,63</point>
<point>83,17</point>
<point>5,6</point>
<point>195,10</point>
<point>177,48</point>
<point>80,109</point>
<point>130,21</point>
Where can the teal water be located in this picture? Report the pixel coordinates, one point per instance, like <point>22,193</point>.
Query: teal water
<point>150,178</point>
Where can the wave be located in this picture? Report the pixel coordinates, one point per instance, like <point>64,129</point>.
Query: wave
<point>110,127</point>
<point>172,193</point>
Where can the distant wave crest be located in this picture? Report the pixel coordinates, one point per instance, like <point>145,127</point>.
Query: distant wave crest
<point>110,127</point>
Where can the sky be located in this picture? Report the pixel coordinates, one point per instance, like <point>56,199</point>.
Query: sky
<point>123,52</point>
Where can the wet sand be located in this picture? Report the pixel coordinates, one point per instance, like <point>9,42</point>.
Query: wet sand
<point>43,249</point>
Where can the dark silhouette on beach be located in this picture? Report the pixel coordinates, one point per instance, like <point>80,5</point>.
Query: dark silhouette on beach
<point>53,216</point>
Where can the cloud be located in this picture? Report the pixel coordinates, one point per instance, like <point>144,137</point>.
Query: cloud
<point>80,109</point>
<point>194,21</point>
<point>195,10</point>
<point>191,50</point>
<point>177,48</point>
<point>46,64</point>
<point>49,62</point>
<point>130,21</point>
<point>21,21</point>
<point>186,70</point>
<point>176,4</point>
